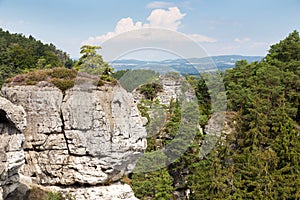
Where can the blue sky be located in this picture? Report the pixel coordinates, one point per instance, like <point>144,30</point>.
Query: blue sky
<point>220,26</point>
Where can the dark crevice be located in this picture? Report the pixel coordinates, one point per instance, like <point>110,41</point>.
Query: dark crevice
<point>63,126</point>
<point>79,185</point>
<point>3,117</point>
<point>63,131</point>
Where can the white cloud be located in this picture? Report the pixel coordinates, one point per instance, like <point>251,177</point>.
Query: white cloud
<point>159,4</point>
<point>243,40</point>
<point>170,19</point>
<point>124,25</point>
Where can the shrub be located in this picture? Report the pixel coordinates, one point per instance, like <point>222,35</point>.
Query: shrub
<point>62,78</point>
<point>54,196</point>
<point>63,73</point>
<point>150,90</point>
<point>18,79</point>
<point>63,84</point>
<point>36,76</point>
<point>107,78</point>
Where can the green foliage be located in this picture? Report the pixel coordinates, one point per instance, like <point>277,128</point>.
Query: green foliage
<point>54,196</point>
<point>38,193</point>
<point>286,50</point>
<point>203,96</point>
<point>62,84</point>
<point>260,159</point>
<point>19,54</point>
<point>156,185</point>
<point>134,78</point>
<point>118,74</point>
<point>92,63</point>
<point>173,124</point>
<point>150,90</point>
<point>62,73</point>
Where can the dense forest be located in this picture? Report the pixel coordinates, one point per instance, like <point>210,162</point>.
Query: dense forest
<point>258,159</point>
<point>20,54</point>
<point>261,158</point>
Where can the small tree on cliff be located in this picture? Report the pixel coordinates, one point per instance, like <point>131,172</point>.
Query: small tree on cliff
<point>92,63</point>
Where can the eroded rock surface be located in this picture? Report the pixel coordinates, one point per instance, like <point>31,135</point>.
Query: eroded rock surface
<point>174,86</point>
<point>12,125</point>
<point>87,136</point>
<point>115,191</point>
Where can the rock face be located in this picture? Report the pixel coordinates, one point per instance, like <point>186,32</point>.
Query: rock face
<point>116,191</point>
<point>174,87</point>
<point>89,136</point>
<point>221,124</point>
<point>12,125</point>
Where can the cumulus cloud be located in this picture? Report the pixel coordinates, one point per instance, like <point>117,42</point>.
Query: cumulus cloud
<point>170,18</point>
<point>159,4</point>
<point>124,25</point>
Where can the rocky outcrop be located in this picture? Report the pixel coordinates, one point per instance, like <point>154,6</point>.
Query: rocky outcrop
<point>88,136</point>
<point>12,125</point>
<point>221,124</point>
<point>174,86</point>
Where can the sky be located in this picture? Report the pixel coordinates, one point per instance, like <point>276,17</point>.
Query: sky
<point>219,27</point>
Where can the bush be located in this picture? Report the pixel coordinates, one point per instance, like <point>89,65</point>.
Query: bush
<point>107,78</point>
<point>62,78</point>
<point>54,196</point>
<point>63,73</point>
<point>150,90</point>
<point>63,84</point>
<point>36,76</point>
<point>17,79</point>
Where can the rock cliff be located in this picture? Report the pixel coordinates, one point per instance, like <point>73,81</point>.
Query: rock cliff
<point>12,125</point>
<point>174,86</point>
<point>87,136</point>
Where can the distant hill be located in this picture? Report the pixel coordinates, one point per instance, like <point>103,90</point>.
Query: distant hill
<point>185,66</point>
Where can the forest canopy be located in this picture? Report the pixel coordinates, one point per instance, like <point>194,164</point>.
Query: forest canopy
<point>20,54</point>
<point>260,157</point>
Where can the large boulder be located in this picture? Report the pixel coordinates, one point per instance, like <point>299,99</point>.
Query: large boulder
<point>12,125</point>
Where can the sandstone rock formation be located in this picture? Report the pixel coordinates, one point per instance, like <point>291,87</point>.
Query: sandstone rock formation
<point>174,86</point>
<point>88,136</point>
<point>12,125</point>
<point>117,191</point>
